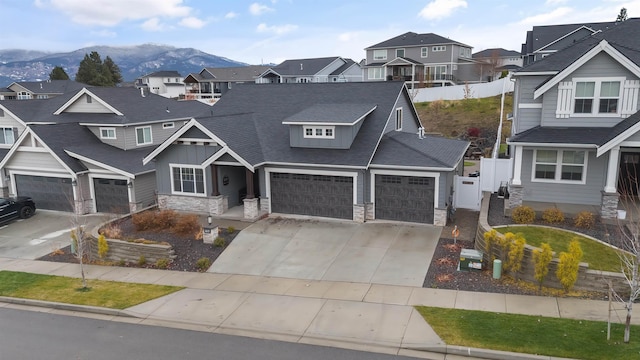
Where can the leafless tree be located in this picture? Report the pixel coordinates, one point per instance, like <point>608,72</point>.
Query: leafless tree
<point>79,236</point>
<point>489,65</point>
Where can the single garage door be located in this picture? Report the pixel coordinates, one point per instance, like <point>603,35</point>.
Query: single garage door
<point>112,196</point>
<point>315,195</point>
<point>404,198</point>
<point>51,193</point>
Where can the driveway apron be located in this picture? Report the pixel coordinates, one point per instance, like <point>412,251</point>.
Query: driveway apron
<point>375,252</point>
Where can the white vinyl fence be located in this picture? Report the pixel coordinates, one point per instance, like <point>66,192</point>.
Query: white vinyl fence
<point>493,172</point>
<point>457,92</point>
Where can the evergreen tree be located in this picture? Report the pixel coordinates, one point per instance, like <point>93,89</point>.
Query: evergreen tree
<point>58,73</point>
<point>622,16</point>
<point>93,71</point>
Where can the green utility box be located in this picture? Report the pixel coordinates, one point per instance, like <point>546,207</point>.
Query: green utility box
<point>470,259</point>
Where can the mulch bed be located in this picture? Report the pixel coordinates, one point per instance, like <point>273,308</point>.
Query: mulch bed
<point>187,249</point>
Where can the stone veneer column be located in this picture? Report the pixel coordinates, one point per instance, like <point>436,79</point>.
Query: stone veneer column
<point>216,205</point>
<point>251,208</point>
<point>369,211</point>
<point>264,204</point>
<point>358,213</point>
<point>4,191</point>
<point>609,206</point>
<point>516,193</point>
<point>440,217</point>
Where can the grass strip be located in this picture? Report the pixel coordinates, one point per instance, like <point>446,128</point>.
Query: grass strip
<point>108,294</point>
<point>599,256</point>
<point>577,339</point>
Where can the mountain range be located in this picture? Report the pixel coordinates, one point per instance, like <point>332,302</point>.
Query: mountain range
<point>133,61</point>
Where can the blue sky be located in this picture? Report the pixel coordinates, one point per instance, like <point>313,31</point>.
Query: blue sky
<point>270,31</point>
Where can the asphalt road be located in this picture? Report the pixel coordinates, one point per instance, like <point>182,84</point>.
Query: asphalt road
<point>35,335</point>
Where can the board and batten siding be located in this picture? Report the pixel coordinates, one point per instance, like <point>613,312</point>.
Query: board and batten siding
<point>237,181</point>
<point>527,115</point>
<point>184,155</point>
<point>569,193</point>
<point>158,134</point>
<point>145,189</point>
<point>409,122</point>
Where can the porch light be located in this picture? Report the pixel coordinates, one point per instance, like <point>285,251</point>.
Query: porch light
<point>209,219</point>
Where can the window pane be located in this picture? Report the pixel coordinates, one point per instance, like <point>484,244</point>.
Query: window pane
<point>573,157</point>
<point>610,89</point>
<point>608,106</point>
<point>147,134</point>
<point>140,136</point>
<point>585,89</point>
<point>308,132</point>
<point>318,132</point>
<point>199,181</point>
<point>545,171</point>
<point>328,132</point>
<point>187,180</point>
<point>177,182</point>
<point>547,156</point>
<point>583,106</point>
<point>571,172</point>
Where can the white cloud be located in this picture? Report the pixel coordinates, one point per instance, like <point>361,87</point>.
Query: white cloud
<point>112,12</point>
<point>438,9</point>
<point>259,9</point>
<point>276,29</point>
<point>231,15</point>
<point>152,24</point>
<point>547,18</point>
<point>192,22</point>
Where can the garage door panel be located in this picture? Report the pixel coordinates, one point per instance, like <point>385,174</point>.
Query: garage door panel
<point>404,198</point>
<point>112,195</point>
<point>50,193</point>
<point>314,195</point>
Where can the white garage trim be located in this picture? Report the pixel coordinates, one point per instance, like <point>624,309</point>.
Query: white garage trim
<point>13,173</point>
<point>434,175</point>
<point>269,170</point>
<point>92,189</point>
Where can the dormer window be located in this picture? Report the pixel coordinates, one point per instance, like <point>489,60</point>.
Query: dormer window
<point>596,97</point>
<point>319,132</point>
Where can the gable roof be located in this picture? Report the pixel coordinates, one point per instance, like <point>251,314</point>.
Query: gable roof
<point>237,73</point>
<point>542,36</point>
<point>302,67</point>
<point>499,52</point>
<point>331,114</point>
<point>50,86</point>
<point>163,73</point>
<point>414,39</point>
<point>347,64</point>
<point>400,149</point>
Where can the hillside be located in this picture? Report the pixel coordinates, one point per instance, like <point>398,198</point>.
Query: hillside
<point>134,61</point>
<point>460,118</point>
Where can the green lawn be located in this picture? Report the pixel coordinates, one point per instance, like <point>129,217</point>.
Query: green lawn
<point>109,294</point>
<point>577,339</point>
<point>469,163</point>
<point>596,254</point>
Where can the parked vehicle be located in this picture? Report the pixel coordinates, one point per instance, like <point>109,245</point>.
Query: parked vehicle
<point>21,207</point>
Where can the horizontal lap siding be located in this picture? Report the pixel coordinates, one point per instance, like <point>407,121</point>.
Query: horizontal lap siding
<point>36,161</point>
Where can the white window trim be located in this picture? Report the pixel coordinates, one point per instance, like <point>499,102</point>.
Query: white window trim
<point>596,96</point>
<point>168,125</point>
<point>424,52</point>
<point>189,166</point>
<point>558,174</point>
<point>109,129</point>
<point>404,52</point>
<point>439,48</point>
<point>380,71</point>
<point>379,57</point>
<point>399,119</point>
<point>324,131</point>
<point>150,135</point>
<point>9,129</point>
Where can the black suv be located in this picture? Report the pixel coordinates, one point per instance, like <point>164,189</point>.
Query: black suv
<point>17,207</point>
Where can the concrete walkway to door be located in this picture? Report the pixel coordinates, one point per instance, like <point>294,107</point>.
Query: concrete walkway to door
<point>373,252</point>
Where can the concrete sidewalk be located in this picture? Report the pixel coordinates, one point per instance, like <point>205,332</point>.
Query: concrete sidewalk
<point>359,316</point>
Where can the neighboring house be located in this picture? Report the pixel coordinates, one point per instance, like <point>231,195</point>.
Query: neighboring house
<point>83,151</point>
<point>421,60</point>
<point>493,62</point>
<point>164,83</point>
<point>29,90</point>
<point>314,70</point>
<point>544,40</point>
<point>212,83</point>
<point>340,150</point>
<point>576,131</point>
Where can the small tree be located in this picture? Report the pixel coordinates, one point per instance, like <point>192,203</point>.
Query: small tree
<point>541,260</point>
<point>515,255</point>
<point>569,265</point>
<point>103,246</point>
<point>81,240</point>
<point>622,16</point>
<point>58,73</point>
<point>92,71</point>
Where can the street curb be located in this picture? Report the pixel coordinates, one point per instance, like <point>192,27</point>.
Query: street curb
<point>482,353</point>
<point>64,306</point>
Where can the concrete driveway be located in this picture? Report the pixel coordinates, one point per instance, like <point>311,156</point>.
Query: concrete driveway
<point>41,234</point>
<point>381,253</point>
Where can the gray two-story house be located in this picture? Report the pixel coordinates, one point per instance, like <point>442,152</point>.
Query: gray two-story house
<point>421,60</point>
<point>82,151</point>
<point>575,136</point>
<point>351,150</point>
<point>312,70</point>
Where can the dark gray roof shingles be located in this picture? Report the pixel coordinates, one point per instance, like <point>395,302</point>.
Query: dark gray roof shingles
<point>405,149</point>
<point>331,113</point>
<point>414,39</point>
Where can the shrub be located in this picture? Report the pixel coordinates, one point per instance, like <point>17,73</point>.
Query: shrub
<point>541,260</point>
<point>584,220</point>
<point>231,229</point>
<point>143,220</point>
<point>121,262</point>
<point>187,224</point>
<point>515,254</point>
<point>203,264</point>
<point>200,234</point>
<point>162,263</point>
<point>142,261</point>
<point>523,215</point>
<point>219,242</point>
<point>553,216</point>
<point>473,132</point>
<point>103,246</point>
<point>165,219</point>
<point>569,265</point>
<point>112,231</point>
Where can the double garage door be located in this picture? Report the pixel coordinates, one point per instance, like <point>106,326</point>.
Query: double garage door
<point>405,198</point>
<point>315,195</point>
<point>55,193</point>
<point>51,193</point>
